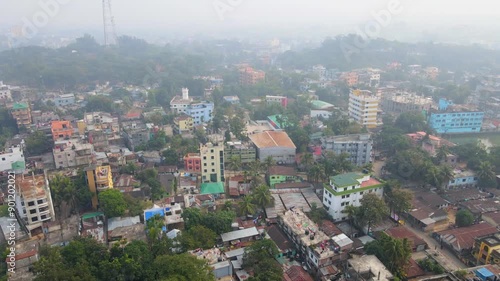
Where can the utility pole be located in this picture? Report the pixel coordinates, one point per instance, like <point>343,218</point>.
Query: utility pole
<point>110,37</point>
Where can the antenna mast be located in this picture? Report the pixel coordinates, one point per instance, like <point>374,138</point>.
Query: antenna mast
<point>110,37</point>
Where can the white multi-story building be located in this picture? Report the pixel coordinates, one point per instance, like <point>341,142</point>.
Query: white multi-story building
<point>358,147</point>
<point>5,93</point>
<point>201,112</point>
<point>212,162</point>
<point>13,159</point>
<point>363,107</point>
<point>72,153</point>
<point>33,200</point>
<point>348,190</point>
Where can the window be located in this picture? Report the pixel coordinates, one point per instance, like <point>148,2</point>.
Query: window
<point>34,219</point>
<point>33,211</point>
<point>31,203</point>
<point>213,157</point>
<point>40,201</point>
<point>43,217</point>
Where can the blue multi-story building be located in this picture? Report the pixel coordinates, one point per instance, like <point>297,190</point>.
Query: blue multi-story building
<point>201,112</point>
<point>65,99</point>
<point>456,122</point>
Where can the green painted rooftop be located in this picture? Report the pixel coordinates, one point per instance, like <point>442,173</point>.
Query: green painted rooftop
<point>318,104</point>
<point>20,105</point>
<point>274,118</point>
<point>92,215</point>
<point>212,188</point>
<point>18,165</point>
<point>346,179</point>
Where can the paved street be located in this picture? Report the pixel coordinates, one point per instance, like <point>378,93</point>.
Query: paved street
<point>443,256</point>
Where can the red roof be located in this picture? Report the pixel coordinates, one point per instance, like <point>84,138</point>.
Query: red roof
<point>297,273</point>
<point>463,237</point>
<point>414,270</point>
<point>403,232</point>
<point>370,182</point>
<point>24,255</point>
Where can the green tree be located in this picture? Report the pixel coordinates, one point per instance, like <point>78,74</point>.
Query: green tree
<point>464,218</point>
<point>235,163</point>
<point>246,206</point>
<point>394,253</point>
<point>307,161</point>
<point>112,203</point>
<point>372,210</point>
<point>183,267</point>
<point>411,122</point>
<point>317,215</point>
<point>262,196</point>
<point>62,190</point>
<point>37,143</point>
<point>170,157</point>
<point>486,175</point>
<point>260,258</point>
<point>399,200</point>
<point>197,237</point>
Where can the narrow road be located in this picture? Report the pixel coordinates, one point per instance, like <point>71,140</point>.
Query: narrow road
<point>446,258</point>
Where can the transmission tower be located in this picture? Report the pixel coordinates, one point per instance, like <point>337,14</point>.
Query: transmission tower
<point>109,24</point>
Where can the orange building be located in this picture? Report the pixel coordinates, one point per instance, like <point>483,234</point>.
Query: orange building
<point>192,163</point>
<point>250,76</point>
<point>61,130</point>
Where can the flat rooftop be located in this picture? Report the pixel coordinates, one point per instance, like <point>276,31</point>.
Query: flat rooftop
<point>370,264</point>
<point>299,223</point>
<point>31,186</point>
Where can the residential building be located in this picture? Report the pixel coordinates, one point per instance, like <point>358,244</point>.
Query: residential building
<point>34,201</point>
<point>201,112</point>
<point>212,162</point>
<point>43,118</point>
<point>429,143</point>
<point>222,268</point>
<point>428,213</point>
<point>351,78</point>
<point>61,130</point>
<point>461,240</point>
<point>399,102</point>
<point>281,174</point>
<point>98,121</point>
<point>171,213</point>
<point>12,159</point>
<point>358,147</point>
<point>91,225</point>
<point>72,153</point>
<point>321,105</point>
<point>487,249</point>
<point>245,152</point>
<point>65,99</point>
<point>192,163</point>
<point>5,94</point>
<point>98,178</point>
<point>275,144</point>
<point>325,114</point>
<point>363,107</point>
<point>250,76</point>
<point>232,99</point>
<point>456,122</point>
<point>401,232</point>
<point>462,178</point>
<point>21,111</point>
<point>239,185</point>
<point>348,190</point>
<point>183,124</point>
<point>368,267</point>
<point>136,133</point>
<point>282,101</point>
<point>318,249</point>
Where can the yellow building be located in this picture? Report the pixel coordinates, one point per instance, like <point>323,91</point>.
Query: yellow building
<point>183,123</point>
<point>98,178</point>
<point>363,107</point>
<point>212,162</point>
<point>22,113</point>
<point>487,249</point>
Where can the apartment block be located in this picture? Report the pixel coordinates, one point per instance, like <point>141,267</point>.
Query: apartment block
<point>98,178</point>
<point>399,102</point>
<point>63,100</point>
<point>487,249</point>
<point>136,133</point>
<point>72,153</point>
<point>12,159</point>
<point>363,107</point>
<point>358,147</point>
<point>183,124</point>
<point>201,112</point>
<point>245,152</point>
<point>250,76</point>
<point>21,111</point>
<point>280,100</point>
<point>212,162</point>
<point>61,130</point>
<point>456,122</point>
<point>348,190</point>
<point>33,200</point>
<point>5,94</point>
<point>192,163</point>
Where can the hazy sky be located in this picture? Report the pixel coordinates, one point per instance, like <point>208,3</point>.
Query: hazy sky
<point>203,14</point>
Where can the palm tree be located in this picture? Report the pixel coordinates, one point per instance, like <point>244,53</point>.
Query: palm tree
<point>268,163</point>
<point>262,197</point>
<point>228,206</point>
<point>315,173</point>
<point>442,153</point>
<point>486,174</point>
<point>307,160</point>
<point>246,206</point>
<point>234,163</point>
<point>351,212</point>
<point>446,174</point>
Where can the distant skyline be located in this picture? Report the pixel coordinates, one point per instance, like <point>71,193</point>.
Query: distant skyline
<point>247,18</point>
